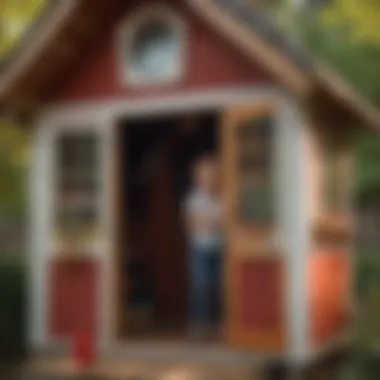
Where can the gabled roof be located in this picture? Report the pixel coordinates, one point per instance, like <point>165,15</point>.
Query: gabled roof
<point>57,38</point>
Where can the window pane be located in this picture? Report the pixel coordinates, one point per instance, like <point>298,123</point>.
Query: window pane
<point>255,160</point>
<point>77,181</point>
<point>155,51</point>
<point>338,178</point>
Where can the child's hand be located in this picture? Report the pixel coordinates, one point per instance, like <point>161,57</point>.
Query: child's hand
<point>204,222</point>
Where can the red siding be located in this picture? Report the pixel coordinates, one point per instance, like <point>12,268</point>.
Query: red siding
<point>211,63</point>
<point>73,298</point>
<point>256,316</point>
<point>261,290</point>
<point>329,276</point>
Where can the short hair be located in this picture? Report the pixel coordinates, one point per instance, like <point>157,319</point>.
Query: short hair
<point>205,159</point>
<point>201,161</point>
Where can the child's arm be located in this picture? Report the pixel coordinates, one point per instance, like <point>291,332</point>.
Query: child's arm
<point>195,220</point>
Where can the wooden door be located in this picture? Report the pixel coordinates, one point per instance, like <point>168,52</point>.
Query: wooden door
<point>254,269</point>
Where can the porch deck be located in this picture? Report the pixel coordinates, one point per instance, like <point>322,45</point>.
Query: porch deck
<point>151,361</point>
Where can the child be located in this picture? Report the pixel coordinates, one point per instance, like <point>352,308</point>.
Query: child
<point>203,217</point>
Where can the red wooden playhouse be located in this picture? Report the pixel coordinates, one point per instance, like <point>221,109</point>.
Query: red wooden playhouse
<point>123,95</point>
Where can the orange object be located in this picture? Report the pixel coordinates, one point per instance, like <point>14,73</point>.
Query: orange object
<point>84,350</point>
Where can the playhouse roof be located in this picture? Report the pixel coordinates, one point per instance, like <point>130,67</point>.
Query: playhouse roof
<point>56,39</point>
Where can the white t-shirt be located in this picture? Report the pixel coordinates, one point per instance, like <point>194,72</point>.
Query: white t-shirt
<point>200,203</point>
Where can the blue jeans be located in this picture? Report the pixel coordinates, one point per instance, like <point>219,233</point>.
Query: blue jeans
<point>205,286</point>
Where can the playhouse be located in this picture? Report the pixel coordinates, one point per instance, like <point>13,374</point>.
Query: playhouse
<point>123,95</point>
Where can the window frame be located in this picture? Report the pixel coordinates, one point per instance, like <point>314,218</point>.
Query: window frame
<point>268,156</point>
<point>132,26</point>
<point>334,222</point>
<point>337,186</point>
<point>60,233</point>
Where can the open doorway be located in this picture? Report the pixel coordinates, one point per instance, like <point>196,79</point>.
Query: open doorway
<point>156,156</point>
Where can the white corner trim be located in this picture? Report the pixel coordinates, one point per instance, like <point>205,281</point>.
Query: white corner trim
<point>130,28</point>
<point>39,249</point>
<point>295,230</point>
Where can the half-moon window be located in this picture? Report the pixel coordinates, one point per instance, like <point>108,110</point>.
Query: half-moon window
<point>155,51</point>
<point>152,48</point>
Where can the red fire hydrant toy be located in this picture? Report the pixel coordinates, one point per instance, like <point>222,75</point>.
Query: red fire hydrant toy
<point>84,349</point>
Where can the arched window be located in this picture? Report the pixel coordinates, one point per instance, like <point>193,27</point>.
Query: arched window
<point>152,47</point>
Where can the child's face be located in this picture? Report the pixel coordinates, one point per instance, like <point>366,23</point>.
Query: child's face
<point>206,176</point>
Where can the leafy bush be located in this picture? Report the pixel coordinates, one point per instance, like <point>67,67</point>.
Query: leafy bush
<point>365,361</point>
<point>12,310</point>
<point>367,272</point>
<point>364,366</point>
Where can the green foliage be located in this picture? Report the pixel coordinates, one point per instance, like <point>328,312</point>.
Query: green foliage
<point>367,272</point>
<point>12,310</point>
<point>365,366</point>
<point>15,16</point>
<point>14,143</point>
<point>368,169</point>
<point>359,17</point>
<point>357,62</point>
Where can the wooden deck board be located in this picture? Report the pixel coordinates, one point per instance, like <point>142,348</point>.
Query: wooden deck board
<point>135,370</point>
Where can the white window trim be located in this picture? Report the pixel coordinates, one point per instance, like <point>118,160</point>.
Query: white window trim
<point>130,28</point>
<point>95,245</point>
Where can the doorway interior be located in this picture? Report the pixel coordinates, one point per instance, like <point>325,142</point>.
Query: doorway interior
<point>155,157</point>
